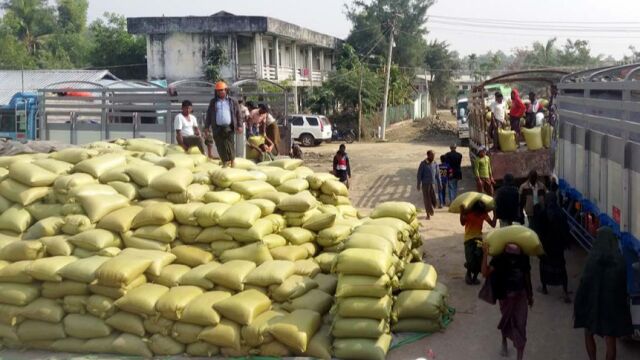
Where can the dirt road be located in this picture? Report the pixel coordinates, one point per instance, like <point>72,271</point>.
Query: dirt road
<point>386,171</point>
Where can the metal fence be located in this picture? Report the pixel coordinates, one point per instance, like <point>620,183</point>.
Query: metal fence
<point>418,109</point>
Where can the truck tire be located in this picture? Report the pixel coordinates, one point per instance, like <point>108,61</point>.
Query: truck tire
<point>307,140</point>
<point>349,138</point>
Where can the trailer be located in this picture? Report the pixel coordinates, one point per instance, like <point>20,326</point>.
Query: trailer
<point>598,161</point>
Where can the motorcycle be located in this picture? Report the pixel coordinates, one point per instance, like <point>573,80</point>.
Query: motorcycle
<point>348,136</point>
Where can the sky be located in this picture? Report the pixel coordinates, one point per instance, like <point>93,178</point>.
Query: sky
<point>535,20</point>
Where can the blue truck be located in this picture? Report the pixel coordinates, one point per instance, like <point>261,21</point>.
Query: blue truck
<point>598,161</point>
<point>19,118</point>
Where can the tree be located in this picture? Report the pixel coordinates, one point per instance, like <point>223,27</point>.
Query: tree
<point>442,64</point>
<point>72,15</point>
<point>31,21</point>
<point>216,59</point>
<point>115,49</point>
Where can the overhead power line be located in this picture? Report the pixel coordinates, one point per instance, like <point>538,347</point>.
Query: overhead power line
<point>523,26</point>
<point>533,36</point>
<point>536,21</point>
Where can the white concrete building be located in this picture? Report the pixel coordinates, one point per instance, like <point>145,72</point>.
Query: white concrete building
<point>258,48</point>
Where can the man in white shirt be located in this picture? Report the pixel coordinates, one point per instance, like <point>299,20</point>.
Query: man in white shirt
<point>186,126</point>
<point>498,117</point>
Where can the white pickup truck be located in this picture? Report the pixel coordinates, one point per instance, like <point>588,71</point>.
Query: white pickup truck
<point>462,119</point>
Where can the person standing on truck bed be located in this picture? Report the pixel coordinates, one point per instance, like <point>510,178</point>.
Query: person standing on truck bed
<point>497,118</point>
<point>429,183</point>
<point>533,109</point>
<point>516,113</point>
<point>454,159</point>
<point>482,172</point>
<point>186,126</point>
<point>223,118</point>
<point>601,305</point>
<point>532,192</point>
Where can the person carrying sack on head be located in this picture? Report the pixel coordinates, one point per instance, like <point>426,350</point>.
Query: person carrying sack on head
<point>223,118</point>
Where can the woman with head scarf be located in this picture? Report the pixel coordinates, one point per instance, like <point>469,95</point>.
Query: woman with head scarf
<point>602,302</point>
<point>516,113</point>
<point>510,277</point>
<point>550,223</point>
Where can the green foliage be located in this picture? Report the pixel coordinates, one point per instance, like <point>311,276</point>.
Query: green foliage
<point>117,50</point>
<point>216,59</point>
<point>442,64</point>
<point>72,15</point>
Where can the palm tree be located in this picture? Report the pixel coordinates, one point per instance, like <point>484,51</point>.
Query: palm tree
<point>32,21</point>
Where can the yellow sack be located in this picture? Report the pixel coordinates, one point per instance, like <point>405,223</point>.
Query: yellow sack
<point>319,222</point>
<point>270,273</point>
<point>275,197</point>
<point>294,286</point>
<point>171,274</point>
<point>76,224</point>
<point>115,174</point>
<point>266,206</point>
<point>162,345</point>
<point>209,214</point>
<point>316,300</point>
<point>10,315</point>
<point>159,259</point>
<point>176,161</point>
<point>358,285</point>
<point>16,219</point>
<point>290,252</point>
<point>359,328</point>
<point>307,267</point>
<point>369,241</point>
<point>33,330</point>
<point>294,186</point>
<point>73,155</point>
<point>320,345</point>
<point>164,233</point>
<point>171,305</point>
<point>325,261</point>
<point>287,164</point>
<point>18,294</point>
<point>22,194</point>
<point>47,269</point>
<point>256,333</point>
<point>419,276</point>
<point>200,311</point>
<point>128,190</point>
<point>127,323</point>
<point>22,250</point>
<point>243,307</point>
<point>533,137</point>
<point>144,175</point>
<point>39,211</point>
<point>198,276</point>
<point>158,325</point>
<point>522,236</point>
<point>121,270</point>
<point>333,235</point>
<point>424,304</point>
<point>115,292</point>
<point>85,326</point>
<point>241,215</point>
<point>158,214</point>
<point>256,252</point>
<point>132,242</point>
<point>400,210</point>
<point>295,330</point>
<point>371,349</point>
<point>417,326</point>
<point>191,255</point>
<point>218,247</point>
<point>274,241</point>
<point>365,307</point>
<point>98,206</point>
<point>301,202</point>
<point>362,262</point>
<point>316,180</point>
<point>100,164</point>
<point>131,345</point>
<point>334,187</point>
<point>507,140</point>
<point>120,220</point>
<point>143,299</point>
<point>225,334</point>
<point>547,135</point>
<point>260,229</point>
<point>297,235</point>
<point>202,349</point>
<point>185,214</point>
<point>30,174</point>
<point>469,198</point>
<point>223,178</point>
<point>251,188</point>
<point>173,181</point>
<point>55,166</point>
<point>232,274</point>
<point>186,333</point>
<point>335,200</point>
<point>278,221</point>
<point>326,283</point>
<point>100,306</point>
<point>43,228</point>
<point>146,146</point>
<point>303,172</point>
<point>95,240</point>
<point>100,345</point>
<point>44,310</point>
<point>226,197</point>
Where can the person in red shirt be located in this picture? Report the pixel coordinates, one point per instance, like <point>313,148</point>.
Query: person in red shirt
<point>473,219</point>
<point>516,113</point>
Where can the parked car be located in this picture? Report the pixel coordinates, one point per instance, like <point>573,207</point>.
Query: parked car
<point>310,130</point>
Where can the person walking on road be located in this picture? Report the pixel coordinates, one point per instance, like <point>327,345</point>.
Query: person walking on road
<point>454,159</point>
<point>550,224</point>
<point>482,172</point>
<point>429,183</point>
<point>223,118</point>
<point>186,126</point>
<point>602,303</point>
<point>510,277</point>
<point>473,219</point>
<point>445,174</point>
<point>531,193</point>
<point>342,166</point>
<point>508,202</point>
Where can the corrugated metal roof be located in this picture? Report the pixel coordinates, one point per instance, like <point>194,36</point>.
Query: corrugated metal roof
<point>11,81</point>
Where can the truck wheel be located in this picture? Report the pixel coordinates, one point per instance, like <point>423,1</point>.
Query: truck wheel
<point>349,138</point>
<point>307,140</point>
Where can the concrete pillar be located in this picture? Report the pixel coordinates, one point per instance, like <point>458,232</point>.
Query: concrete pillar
<point>321,60</point>
<point>276,47</point>
<point>294,63</point>
<point>310,64</point>
<point>259,57</point>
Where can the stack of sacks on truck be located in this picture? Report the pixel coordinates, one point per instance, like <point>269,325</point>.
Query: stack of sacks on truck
<point>139,248</point>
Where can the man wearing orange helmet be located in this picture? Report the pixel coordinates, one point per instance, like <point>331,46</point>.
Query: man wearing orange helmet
<point>223,118</point>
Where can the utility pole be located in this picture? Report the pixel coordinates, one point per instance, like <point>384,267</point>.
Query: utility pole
<point>360,102</point>
<point>386,85</point>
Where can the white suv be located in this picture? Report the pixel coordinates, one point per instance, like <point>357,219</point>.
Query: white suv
<point>310,130</point>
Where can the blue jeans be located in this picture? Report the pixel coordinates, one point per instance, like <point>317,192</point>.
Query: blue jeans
<point>453,189</point>
<point>442,195</point>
